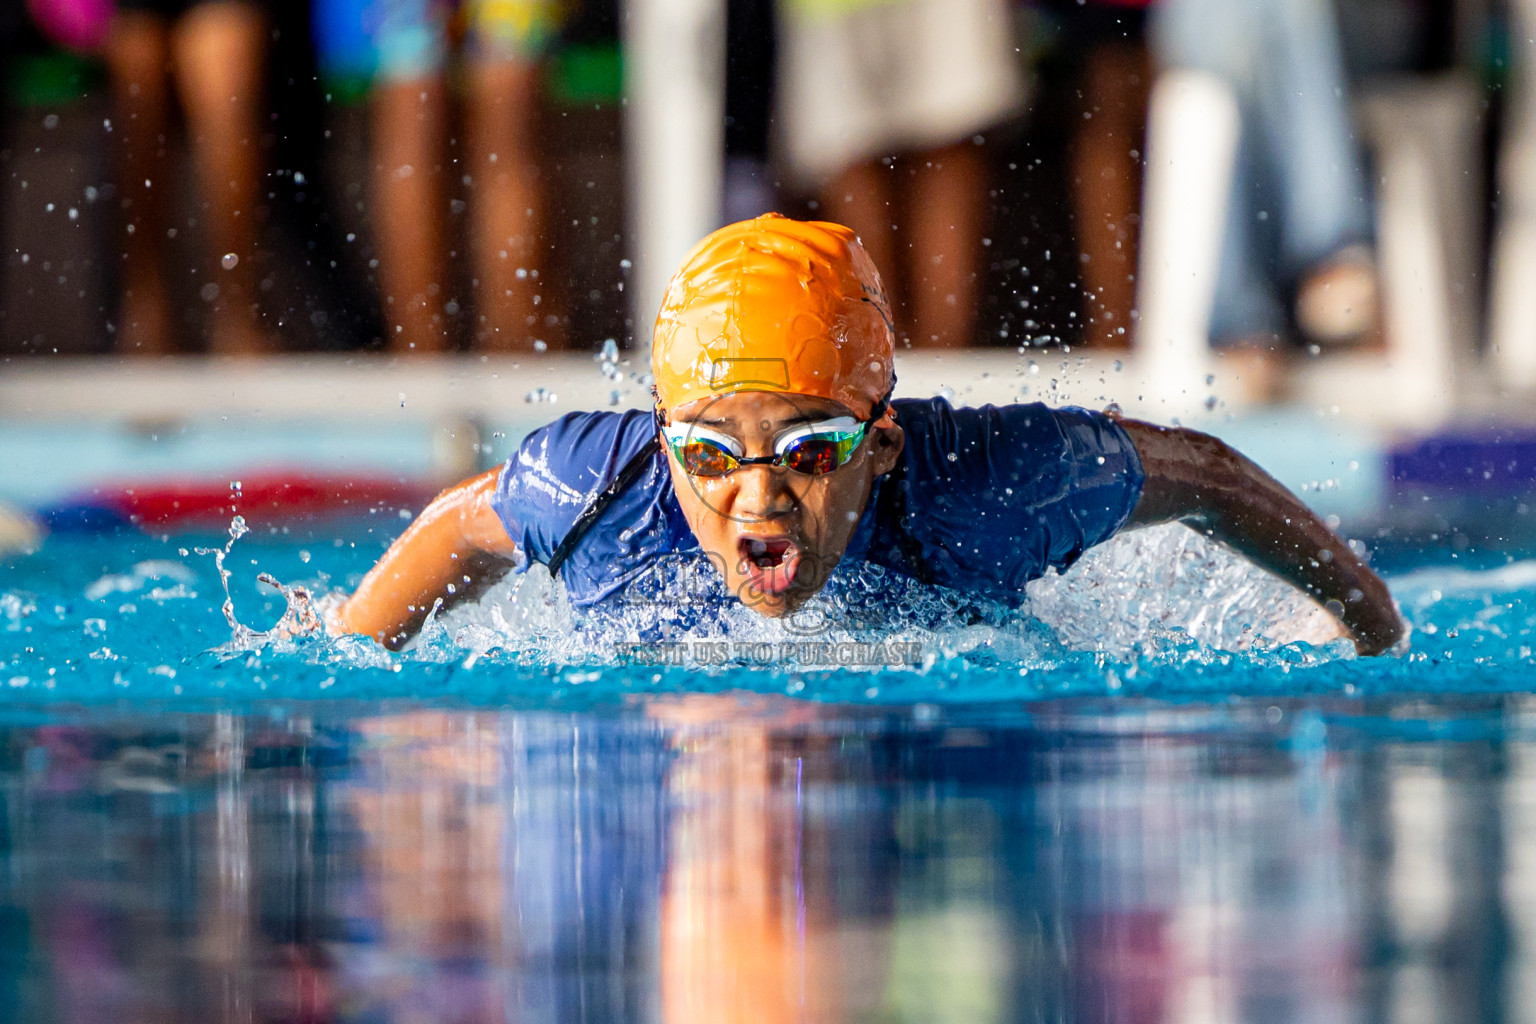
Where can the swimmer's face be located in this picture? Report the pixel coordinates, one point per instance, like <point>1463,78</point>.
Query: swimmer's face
<point>774,533</point>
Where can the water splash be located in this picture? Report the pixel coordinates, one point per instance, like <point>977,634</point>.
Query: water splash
<point>149,571</point>
<point>1165,590</point>
<point>240,636</point>
<point>1158,611</point>
<point>302,615</point>
<point>1162,614</point>
<point>1169,582</point>
<point>1164,595</point>
<point>13,609</point>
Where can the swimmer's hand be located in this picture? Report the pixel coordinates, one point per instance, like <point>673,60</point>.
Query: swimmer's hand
<point>453,551</point>
<point>1198,480</point>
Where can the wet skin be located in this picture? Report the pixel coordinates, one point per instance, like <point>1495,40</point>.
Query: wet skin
<point>774,534</point>
<point>1201,481</point>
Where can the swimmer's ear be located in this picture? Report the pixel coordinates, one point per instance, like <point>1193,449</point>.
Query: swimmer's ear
<point>886,444</point>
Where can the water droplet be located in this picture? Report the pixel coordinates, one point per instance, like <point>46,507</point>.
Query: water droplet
<point>230,261</point>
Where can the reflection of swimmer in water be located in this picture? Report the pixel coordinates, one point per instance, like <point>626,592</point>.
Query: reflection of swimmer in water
<point>775,449</point>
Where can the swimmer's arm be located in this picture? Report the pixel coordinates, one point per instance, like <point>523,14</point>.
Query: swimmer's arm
<point>458,541</point>
<point>1198,480</point>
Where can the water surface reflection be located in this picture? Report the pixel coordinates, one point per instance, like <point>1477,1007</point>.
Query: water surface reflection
<point>724,858</point>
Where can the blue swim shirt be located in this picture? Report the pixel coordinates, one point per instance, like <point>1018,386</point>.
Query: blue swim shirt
<point>982,500</point>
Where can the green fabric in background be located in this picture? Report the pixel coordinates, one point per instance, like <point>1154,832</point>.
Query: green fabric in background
<point>49,78</point>
<point>586,73</point>
<point>576,75</point>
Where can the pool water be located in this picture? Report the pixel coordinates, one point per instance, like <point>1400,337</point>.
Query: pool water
<point>1159,791</point>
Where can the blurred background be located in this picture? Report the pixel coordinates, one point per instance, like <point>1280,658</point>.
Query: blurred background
<point>1202,210</point>
<point>420,175</point>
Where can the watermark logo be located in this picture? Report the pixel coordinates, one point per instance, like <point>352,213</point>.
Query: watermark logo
<point>684,580</point>
<point>752,373</point>
<point>807,653</point>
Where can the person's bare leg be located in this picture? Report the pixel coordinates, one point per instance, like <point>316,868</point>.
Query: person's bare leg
<point>407,212</point>
<point>862,197</point>
<point>1106,192</point>
<point>137,57</point>
<point>506,211</point>
<point>218,50</point>
<point>945,213</point>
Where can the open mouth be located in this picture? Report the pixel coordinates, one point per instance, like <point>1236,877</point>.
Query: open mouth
<point>769,563</point>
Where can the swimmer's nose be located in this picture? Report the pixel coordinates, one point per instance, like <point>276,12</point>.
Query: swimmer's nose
<point>762,492</point>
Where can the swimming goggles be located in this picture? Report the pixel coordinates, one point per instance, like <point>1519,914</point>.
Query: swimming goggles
<point>813,448</point>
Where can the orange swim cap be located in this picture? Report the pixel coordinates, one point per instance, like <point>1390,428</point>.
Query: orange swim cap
<point>773,304</point>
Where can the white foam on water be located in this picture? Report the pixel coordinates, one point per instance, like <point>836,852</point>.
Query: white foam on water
<point>1165,580</point>
<point>1165,591</point>
<point>1145,590</point>
<point>1516,576</point>
<point>143,573</point>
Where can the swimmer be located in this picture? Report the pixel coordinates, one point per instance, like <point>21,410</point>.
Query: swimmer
<point>775,448</point>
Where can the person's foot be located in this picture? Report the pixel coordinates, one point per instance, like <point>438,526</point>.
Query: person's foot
<point>1336,301</point>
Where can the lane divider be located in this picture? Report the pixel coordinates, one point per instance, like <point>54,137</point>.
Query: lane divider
<point>194,504</point>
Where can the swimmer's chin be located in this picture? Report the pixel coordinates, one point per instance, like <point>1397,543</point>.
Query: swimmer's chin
<point>776,606</point>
